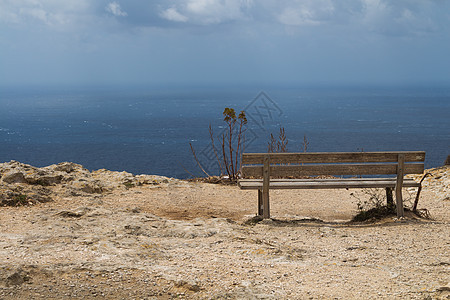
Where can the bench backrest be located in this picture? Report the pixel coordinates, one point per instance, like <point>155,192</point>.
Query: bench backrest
<point>332,163</point>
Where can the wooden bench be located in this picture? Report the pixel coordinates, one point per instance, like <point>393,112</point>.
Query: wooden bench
<point>265,171</point>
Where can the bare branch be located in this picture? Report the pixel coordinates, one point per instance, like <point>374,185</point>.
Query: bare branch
<point>196,159</point>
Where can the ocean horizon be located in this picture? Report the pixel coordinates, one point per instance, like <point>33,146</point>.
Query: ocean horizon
<point>148,131</point>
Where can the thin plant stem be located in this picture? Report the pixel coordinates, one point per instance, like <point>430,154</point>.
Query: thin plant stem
<point>198,162</point>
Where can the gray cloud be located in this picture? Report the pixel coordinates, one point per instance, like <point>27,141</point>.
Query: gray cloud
<point>395,18</point>
<point>139,40</point>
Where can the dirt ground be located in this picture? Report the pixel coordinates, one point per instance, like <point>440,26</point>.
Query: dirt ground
<point>190,240</point>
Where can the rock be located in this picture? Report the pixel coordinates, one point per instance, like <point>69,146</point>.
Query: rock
<point>191,286</point>
<point>14,177</point>
<point>89,187</point>
<point>438,180</point>
<point>73,179</point>
<point>44,180</point>
<point>20,195</point>
<point>38,194</point>
<point>16,277</point>
<point>67,167</point>
<point>252,220</point>
<point>77,213</point>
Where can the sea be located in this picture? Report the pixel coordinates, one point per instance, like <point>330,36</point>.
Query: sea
<point>151,130</point>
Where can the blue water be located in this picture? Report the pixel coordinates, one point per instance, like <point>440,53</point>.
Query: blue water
<point>149,131</point>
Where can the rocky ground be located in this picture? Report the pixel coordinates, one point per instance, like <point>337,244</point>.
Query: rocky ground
<point>67,233</point>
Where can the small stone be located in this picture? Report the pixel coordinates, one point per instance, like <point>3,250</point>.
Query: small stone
<point>17,278</point>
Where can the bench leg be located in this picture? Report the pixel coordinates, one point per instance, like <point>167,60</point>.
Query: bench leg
<point>265,204</point>
<point>399,185</point>
<point>389,198</point>
<point>260,203</point>
<point>399,199</point>
<point>265,187</point>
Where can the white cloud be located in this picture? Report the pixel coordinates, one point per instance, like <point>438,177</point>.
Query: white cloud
<point>115,9</point>
<point>401,17</point>
<point>207,11</point>
<point>172,14</point>
<point>307,12</point>
<point>53,13</point>
<point>384,17</point>
<point>375,11</point>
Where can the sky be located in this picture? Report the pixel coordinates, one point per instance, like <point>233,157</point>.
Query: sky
<point>224,42</point>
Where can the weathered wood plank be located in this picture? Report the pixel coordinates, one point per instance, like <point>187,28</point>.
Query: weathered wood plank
<point>401,169</point>
<point>253,185</point>
<point>325,179</point>
<point>333,157</point>
<point>390,198</point>
<point>260,202</point>
<point>265,189</point>
<point>335,169</point>
<point>313,179</point>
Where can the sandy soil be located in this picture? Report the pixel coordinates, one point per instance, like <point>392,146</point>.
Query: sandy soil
<point>189,240</point>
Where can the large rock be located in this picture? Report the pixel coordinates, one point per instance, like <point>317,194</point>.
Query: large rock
<point>90,187</point>
<point>14,177</point>
<point>44,178</point>
<point>12,195</point>
<point>22,184</point>
<point>67,167</point>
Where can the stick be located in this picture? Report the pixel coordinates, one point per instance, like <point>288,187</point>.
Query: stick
<point>198,163</point>
<point>418,193</point>
<point>187,171</point>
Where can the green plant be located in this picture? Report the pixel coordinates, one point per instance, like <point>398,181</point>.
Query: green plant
<point>20,199</point>
<point>372,204</point>
<point>374,198</point>
<point>376,204</point>
<point>128,184</point>
<point>231,151</point>
<point>232,142</point>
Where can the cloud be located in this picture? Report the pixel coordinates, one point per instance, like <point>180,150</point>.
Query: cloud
<point>207,12</point>
<point>383,17</point>
<point>401,17</point>
<point>172,14</point>
<point>115,9</point>
<point>52,13</point>
<point>299,13</point>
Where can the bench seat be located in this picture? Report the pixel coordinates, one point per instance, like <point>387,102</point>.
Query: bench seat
<point>257,184</point>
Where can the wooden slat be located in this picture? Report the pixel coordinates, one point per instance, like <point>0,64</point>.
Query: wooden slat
<point>327,184</point>
<point>260,202</point>
<point>265,188</point>
<point>401,167</point>
<point>333,157</point>
<point>335,169</point>
<point>326,179</point>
